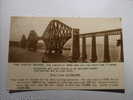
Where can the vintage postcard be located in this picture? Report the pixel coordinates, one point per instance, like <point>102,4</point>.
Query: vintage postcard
<point>65,53</point>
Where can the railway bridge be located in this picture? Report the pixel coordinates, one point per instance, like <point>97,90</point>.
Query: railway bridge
<point>57,34</point>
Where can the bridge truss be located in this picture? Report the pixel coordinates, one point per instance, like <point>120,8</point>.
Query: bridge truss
<point>56,35</point>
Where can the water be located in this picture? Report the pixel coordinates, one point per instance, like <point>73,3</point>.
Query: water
<point>114,53</point>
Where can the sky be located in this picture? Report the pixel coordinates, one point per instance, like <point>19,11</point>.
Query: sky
<point>23,25</point>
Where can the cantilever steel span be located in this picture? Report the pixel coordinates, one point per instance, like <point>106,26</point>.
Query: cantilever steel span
<point>58,33</point>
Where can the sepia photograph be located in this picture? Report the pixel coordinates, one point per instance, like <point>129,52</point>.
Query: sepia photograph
<point>65,53</point>
<point>65,40</point>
